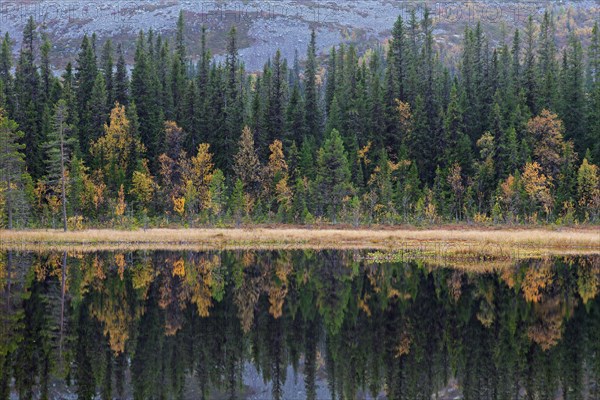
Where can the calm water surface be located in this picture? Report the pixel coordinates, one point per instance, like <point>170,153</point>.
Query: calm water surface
<point>295,325</point>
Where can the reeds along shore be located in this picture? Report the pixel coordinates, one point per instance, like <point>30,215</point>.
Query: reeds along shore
<point>451,240</point>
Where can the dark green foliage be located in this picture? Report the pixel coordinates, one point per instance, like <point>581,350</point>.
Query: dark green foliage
<point>28,109</point>
<point>416,108</point>
<point>121,90</point>
<point>333,175</point>
<point>85,78</point>
<point>312,112</point>
<point>12,169</point>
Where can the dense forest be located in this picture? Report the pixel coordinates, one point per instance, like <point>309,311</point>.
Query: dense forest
<point>182,325</point>
<point>399,134</point>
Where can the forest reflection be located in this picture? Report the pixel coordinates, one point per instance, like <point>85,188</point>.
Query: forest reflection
<point>179,325</point>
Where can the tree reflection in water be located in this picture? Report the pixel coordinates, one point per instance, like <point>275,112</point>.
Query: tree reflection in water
<point>178,325</point>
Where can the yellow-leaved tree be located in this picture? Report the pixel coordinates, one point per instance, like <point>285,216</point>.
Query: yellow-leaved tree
<point>538,188</point>
<point>143,187</point>
<point>117,148</point>
<point>588,190</point>
<point>197,174</point>
<point>276,188</point>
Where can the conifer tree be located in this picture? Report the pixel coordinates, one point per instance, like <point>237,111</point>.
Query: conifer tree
<point>592,142</point>
<point>294,126</point>
<point>548,68</point>
<point>6,63</point>
<point>247,167</point>
<point>332,176</point>
<point>233,100</point>
<point>107,65</point>
<point>59,148</point>
<point>12,168</point>
<point>178,72</point>
<point>85,76</point>
<point>572,109</point>
<point>27,94</point>
<point>143,93</point>
<point>312,113</point>
<point>121,86</point>
<point>98,108</point>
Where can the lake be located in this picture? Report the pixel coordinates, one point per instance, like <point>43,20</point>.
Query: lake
<point>296,324</point>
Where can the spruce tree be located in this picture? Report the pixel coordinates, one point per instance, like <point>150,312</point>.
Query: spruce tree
<point>143,93</point>
<point>458,145</point>
<point>593,112</point>
<point>547,66</point>
<point>98,108</point>
<point>6,63</point>
<point>59,148</point>
<point>333,176</point>
<point>29,110</point>
<point>121,85</point>
<point>107,65</point>
<point>85,76</point>
<point>330,88</point>
<point>312,113</point>
<point>294,126</point>
<point>233,101</point>
<point>12,167</point>
<point>276,104</point>
<point>178,72</point>
<point>572,110</point>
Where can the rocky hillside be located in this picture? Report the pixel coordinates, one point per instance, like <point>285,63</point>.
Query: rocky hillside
<point>267,25</point>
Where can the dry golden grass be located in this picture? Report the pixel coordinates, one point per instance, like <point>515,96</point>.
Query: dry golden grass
<point>458,241</point>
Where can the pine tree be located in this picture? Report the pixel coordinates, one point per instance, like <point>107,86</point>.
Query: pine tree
<point>12,167</point>
<point>59,148</point>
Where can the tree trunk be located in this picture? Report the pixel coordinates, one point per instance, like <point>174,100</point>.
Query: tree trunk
<point>9,205</point>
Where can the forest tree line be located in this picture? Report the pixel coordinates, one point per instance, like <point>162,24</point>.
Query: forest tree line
<point>398,134</point>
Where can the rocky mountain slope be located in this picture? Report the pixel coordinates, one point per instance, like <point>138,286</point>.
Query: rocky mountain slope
<point>265,26</point>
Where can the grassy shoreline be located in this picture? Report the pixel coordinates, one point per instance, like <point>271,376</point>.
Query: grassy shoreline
<point>457,240</point>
